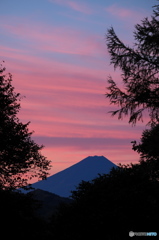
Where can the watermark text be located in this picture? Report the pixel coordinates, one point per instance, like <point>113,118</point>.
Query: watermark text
<point>140,234</point>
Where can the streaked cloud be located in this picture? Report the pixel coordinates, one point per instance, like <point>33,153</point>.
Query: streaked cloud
<point>123,13</point>
<point>82,143</point>
<point>55,39</point>
<point>59,61</point>
<point>74,5</point>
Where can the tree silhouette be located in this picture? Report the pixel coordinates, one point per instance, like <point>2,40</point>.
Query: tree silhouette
<point>20,156</point>
<point>148,148</point>
<point>19,218</point>
<point>140,68</point>
<point>110,206</point>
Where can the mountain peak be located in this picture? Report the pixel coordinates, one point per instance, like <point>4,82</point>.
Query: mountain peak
<point>95,157</point>
<point>62,183</point>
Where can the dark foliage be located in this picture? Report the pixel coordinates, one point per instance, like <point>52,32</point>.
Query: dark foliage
<point>148,148</point>
<point>20,157</point>
<point>18,219</point>
<point>110,206</point>
<point>140,68</point>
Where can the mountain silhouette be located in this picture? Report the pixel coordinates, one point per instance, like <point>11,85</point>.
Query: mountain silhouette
<point>63,182</point>
<point>48,203</point>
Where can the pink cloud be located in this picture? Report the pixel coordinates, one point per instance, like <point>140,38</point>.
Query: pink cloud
<point>122,12</point>
<point>74,98</point>
<point>60,40</point>
<point>80,7</point>
<point>77,6</point>
<point>65,100</point>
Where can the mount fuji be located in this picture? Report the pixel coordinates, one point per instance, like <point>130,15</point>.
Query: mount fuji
<point>62,183</point>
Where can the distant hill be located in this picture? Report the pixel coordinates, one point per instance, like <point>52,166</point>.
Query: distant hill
<point>48,203</point>
<point>64,182</point>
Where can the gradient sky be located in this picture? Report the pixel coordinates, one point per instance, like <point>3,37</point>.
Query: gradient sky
<point>56,52</point>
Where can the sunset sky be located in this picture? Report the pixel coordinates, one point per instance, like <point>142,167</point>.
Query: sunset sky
<point>56,52</point>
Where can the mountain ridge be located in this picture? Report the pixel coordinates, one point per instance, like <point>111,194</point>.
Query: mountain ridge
<point>65,181</point>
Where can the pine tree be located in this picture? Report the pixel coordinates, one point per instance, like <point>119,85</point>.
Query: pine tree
<point>140,67</point>
<point>20,156</point>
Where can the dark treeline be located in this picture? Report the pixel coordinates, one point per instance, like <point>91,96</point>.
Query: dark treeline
<point>112,205</point>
